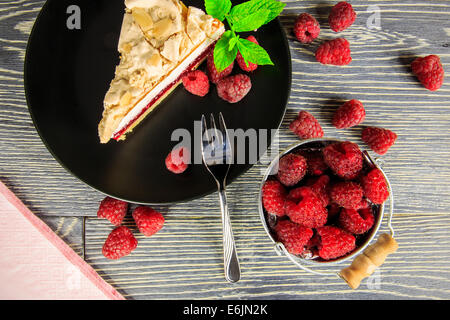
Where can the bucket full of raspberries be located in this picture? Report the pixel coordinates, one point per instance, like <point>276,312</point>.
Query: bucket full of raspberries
<point>322,202</point>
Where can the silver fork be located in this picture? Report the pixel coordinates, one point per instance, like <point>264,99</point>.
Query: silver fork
<point>217,156</point>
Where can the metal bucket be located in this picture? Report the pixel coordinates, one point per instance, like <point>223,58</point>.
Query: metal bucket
<point>379,210</point>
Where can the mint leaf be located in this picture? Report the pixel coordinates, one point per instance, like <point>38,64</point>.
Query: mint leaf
<point>232,43</point>
<point>218,8</point>
<point>251,21</point>
<point>251,52</point>
<point>244,9</point>
<point>223,57</point>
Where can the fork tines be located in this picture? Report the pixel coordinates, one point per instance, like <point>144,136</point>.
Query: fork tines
<point>216,146</point>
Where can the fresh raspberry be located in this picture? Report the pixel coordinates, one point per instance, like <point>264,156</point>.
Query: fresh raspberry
<point>334,242</point>
<point>234,88</point>
<point>364,204</point>
<point>177,160</point>
<point>336,52</point>
<point>341,16</point>
<point>308,210</point>
<point>356,222</point>
<point>349,114</point>
<point>119,243</point>
<point>196,82</point>
<point>333,210</point>
<point>319,186</point>
<point>347,194</point>
<point>293,236</point>
<point>214,75</point>
<point>378,139</point>
<point>291,169</point>
<point>240,60</point>
<point>429,71</point>
<point>315,162</point>
<point>306,126</point>
<point>311,250</point>
<point>375,186</point>
<point>313,242</point>
<point>306,28</point>
<point>148,220</point>
<point>344,158</point>
<point>297,194</point>
<point>273,197</point>
<point>112,209</point>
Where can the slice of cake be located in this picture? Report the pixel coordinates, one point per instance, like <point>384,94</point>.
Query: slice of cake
<point>160,40</point>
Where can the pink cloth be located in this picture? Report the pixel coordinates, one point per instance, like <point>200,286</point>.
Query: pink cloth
<point>36,264</point>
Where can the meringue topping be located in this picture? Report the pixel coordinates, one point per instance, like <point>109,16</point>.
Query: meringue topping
<point>156,37</point>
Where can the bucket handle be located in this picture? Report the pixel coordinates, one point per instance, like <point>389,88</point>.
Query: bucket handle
<point>367,262</point>
<point>374,255</point>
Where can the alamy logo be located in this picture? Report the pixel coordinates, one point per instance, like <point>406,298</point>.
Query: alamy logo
<point>73,279</point>
<point>374,20</point>
<point>374,281</point>
<point>74,20</point>
<point>248,146</point>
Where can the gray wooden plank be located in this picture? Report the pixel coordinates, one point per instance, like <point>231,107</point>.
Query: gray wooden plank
<point>70,229</point>
<point>184,260</point>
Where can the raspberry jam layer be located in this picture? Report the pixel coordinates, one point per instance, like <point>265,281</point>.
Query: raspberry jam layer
<point>191,67</point>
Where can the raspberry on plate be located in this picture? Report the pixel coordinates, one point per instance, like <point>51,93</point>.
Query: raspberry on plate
<point>378,139</point>
<point>177,160</point>
<point>347,194</point>
<point>214,75</point>
<point>315,162</point>
<point>293,236</point>
<point>119,243</point>
<point>320,187</point>
<point>335,52</point>
<point>375,186</point>
<point>306,28</point>
<point>356,222</point>
<point>429,71</point>
<point>234,88</point>
<point>307,209</point>
<point>306,126</point>
<point>349,114</point>
<point>334,242</point>
<point>291,169</point>
<point>196,82</point>
<point>112,209</point>
<point>148,220</point>
<point>240,60</point>
<point>341,16</point>
<point>344,158</point>
<point>273,197</point>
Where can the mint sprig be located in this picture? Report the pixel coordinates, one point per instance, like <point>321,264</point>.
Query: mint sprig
<point>250,22</point>
<point>224,54</point>
<point>242,10</point>
<point>247,16</point>
<point>251,52</point>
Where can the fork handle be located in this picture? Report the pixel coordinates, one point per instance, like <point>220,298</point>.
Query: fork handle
<point>230,258</point>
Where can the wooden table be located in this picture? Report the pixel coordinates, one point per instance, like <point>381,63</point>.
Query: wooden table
<point>184,260</point>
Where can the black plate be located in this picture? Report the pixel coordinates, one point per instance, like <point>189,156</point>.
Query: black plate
<point>67,73</point>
